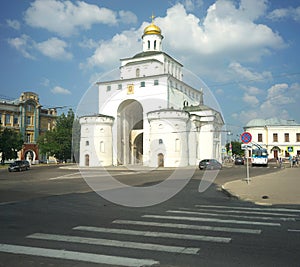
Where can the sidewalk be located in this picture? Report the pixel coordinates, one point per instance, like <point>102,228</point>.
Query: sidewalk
<point>282,187</point>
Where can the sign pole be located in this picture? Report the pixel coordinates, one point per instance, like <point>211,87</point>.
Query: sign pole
<point>246,138</point>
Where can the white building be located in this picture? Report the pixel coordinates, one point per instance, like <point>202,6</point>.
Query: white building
<point>150,116</point>
<point>280,137</point>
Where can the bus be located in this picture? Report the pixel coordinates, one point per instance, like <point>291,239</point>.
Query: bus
<point>259,157</point>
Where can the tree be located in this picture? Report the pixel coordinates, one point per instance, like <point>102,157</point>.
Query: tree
<point>236,148</point>
<point>58,142</point>
<point>10,143</point>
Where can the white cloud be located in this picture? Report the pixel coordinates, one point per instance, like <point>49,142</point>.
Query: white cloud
<point>206,45</point>
<point>54,48</point>
<point>23,44</point>
<point>250,99</point>
<point>190,5</point>
<point>282,13</point>
<point>245,73</point>
<point>59,90</point>
<point>65,17</point>
<point>15,24</point>
<point>128,17</point>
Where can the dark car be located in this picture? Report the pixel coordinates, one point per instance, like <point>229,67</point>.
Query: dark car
<point>19,165</point>
<point>210,164</point>
<point>239,161</point>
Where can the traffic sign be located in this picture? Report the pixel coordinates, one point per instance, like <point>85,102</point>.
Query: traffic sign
<point>246,137</point>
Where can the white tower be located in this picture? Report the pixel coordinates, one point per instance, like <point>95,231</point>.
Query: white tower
<point>152,38</point>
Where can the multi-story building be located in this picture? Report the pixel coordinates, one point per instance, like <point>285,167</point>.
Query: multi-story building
<point>280,137</point>
<point>26,115</point>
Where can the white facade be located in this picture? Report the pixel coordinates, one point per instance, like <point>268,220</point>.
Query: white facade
<point>153,118</point>
<point>280,137</point>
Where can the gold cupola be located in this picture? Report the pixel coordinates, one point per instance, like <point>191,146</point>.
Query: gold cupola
<point>152,28</point>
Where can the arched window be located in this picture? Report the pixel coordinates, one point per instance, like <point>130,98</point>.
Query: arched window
<point>87,160</point>
<point>137,72</point>
<point>155,45</point>
<point>148,44</point>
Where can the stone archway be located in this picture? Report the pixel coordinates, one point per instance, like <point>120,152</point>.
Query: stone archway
<point>129,126</point>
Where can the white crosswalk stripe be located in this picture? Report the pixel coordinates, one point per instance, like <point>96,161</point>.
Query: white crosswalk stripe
<point>115,243</point>
<point>155,234</point>
<point>76,256</point>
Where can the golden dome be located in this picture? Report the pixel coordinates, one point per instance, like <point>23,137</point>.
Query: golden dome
<point>152,29</point>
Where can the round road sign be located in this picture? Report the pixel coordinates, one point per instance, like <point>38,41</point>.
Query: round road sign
<point>246,137</point>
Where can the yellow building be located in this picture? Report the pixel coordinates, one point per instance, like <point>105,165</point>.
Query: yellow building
<point>27,116</point>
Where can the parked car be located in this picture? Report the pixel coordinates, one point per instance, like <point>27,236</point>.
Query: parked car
<point>210,164</point>
<point>19,165</point>
<point>239,161</point>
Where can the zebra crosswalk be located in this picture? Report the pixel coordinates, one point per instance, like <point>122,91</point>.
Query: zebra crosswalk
<point>181,231</point>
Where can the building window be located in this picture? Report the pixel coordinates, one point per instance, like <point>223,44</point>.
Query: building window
<point>137,72</point>
<point>28,138</point>
<point>297,137</point>
<point>108,88</point>
<point>120,86</point>
<point>7,118</point>
<point>259,137</point>
<point>87,143</point>
<point>286,137</point>
<point>275,137</point>
<point>155,82</point>
<point>0,118</point>
<point>155,45</point>
<point>28,120</point>
<point>160,141</point>
<point>142,84</point>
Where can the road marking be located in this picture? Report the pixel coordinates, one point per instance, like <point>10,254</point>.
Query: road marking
<point>76,256</point>
<point>189,226</point>
<point>155,234</point>
<point>294,230</point>
<point>199,219</point>
<point>77,175</point>
<point>233,216</point>
<point>246,208</point>
<point>115,243</point>
<point>239,212</point>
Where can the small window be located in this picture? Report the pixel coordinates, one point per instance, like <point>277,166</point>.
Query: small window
<point>16,120</point>
<point>87,143</point>
<point>142,84</point>
<point>155,45</point>
<point>155,82</point>
<point>119,86</point>
<point>286,137</point>
<point>28,138</point>
<point>108,88</point>
<point>137,72</point>
<point>275,137</point>
<point>160,141</point>
<point>297,137</point>
<point>28,120</point>
<point>7,118</point>
<point>148,44</point>
<point>259,137</point>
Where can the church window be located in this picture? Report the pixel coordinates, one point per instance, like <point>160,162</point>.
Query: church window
<point>177,145</point>
<point>108,88</point>
<point>120,86</point>
<point>155,82</point>
<point>102,147</point>
<point>148,44</point>
<point>87,143</point>
<point>137,72</point>
<point>155,45</point>
<point>160,141</point>
<point>142,84</point>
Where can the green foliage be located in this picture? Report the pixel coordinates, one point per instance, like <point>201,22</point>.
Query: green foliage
<point>58,142</point>
<point>236,148</point>
<point>10,143</point>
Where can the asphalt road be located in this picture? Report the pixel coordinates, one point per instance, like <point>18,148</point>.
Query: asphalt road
<point>50,217</point>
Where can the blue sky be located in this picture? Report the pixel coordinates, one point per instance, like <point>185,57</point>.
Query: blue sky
<point>246,51</point>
